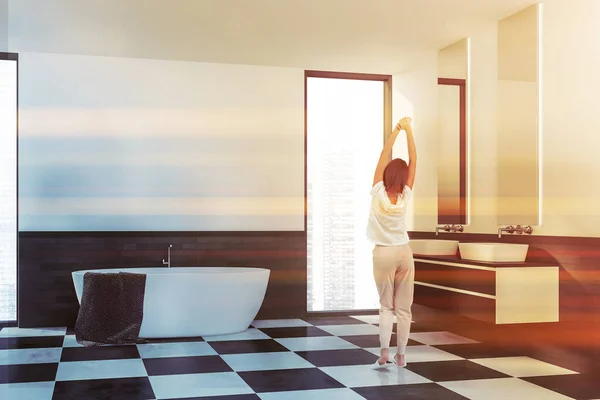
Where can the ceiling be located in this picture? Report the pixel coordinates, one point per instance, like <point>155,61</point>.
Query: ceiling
<point>358,35</point>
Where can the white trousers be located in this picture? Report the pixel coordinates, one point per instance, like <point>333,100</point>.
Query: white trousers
<point>394,272</point>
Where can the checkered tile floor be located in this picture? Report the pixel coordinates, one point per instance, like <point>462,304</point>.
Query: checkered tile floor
<point>278,360</point>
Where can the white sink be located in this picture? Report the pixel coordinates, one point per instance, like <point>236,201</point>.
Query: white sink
<point>493,252</point>
<point>434,247</point>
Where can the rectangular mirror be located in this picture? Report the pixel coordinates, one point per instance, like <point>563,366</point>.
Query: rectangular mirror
<point>517,119</point>
<point>452,133</point>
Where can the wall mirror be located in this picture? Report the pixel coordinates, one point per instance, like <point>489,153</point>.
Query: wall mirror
<point>452,133</point>
<point>517,119</point>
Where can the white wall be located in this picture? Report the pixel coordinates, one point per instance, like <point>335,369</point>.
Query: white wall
<point>132,144</point>
<point>570,166</point>
<point>452,61</point>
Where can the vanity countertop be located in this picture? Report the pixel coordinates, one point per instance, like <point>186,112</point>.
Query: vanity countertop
<point>457,260</point>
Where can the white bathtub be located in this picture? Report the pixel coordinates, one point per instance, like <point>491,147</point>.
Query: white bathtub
<point>195,301</point>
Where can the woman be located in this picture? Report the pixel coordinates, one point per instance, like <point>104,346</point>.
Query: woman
<point>393,265</point>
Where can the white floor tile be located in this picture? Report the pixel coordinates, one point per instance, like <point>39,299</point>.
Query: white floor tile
<point>31,332</point>
<point>265,361</point>
<point>279,323</point>
<point>363,375</point>
<point>70,341</point>
<point>27,391</point>
<point>249,334</point>
<point>351,330</point>
<point>316,343</point>
<point>377,350</point>
<point>323,394</point>
<point>428,354</point>
<point>502,389</point>
<point>182,349</point>
<point>416,354</point>
<point>30,356</point>
<point>439,338</point>
<point>106,369</point>
<point>522,367</point>
<point>198,385</point>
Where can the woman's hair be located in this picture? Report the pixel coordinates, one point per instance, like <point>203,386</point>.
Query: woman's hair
<point>395,176</point>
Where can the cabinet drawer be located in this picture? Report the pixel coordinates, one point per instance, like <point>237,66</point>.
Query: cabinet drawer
<point>471,279</point>
<point>479,308</point>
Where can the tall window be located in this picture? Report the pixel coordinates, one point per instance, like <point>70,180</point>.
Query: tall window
<point>345,120</point>
<point>8,187</point>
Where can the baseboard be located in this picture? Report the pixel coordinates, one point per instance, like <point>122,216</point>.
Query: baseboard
<point>327,314</point>
<point>8,324</point>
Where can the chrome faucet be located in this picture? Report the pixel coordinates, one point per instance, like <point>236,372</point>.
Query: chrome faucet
<point>515,229</point>
<point>449,228</point>
<point>509,229</point>
<point>457,228</point>
<point>445,228</point>
<point>168,262</point>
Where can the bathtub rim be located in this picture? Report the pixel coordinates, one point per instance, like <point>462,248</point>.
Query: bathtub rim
<point>193,270</point>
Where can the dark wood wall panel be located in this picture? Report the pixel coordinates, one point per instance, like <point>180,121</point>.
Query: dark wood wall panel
<point>46,296</point>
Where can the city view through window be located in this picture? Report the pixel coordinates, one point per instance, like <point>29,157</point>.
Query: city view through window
<point>345,138</point>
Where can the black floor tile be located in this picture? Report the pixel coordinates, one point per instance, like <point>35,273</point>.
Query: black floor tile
<point>419,328</point>
<point>477,350</point>
<point>176,340</point>
<point>414,343</point>
<point>427,391</point>
<point>42,342</point>
<point>335,358</point>
<point>423,327</point>
<point>289,380</point>
<point>341,320</point>
<point>444,371</point>
<point>185,365</point>
<point>578,387</point>
<point>28,373</point>
<point>369,341</point>
<point>99,353</point>
<point>104,389</point>
<point>232,397</point>
<point>247,346</point>
<point>294,332</point>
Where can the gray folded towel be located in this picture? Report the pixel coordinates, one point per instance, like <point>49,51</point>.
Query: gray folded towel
<point>112,309</point>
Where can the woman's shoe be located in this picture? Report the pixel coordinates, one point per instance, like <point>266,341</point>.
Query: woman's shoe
<point>376,365</point>
<point>395,361</point>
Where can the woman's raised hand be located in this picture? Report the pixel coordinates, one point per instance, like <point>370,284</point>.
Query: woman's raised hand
<point>398,126</point>
<point>405,123</point>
